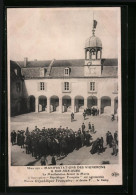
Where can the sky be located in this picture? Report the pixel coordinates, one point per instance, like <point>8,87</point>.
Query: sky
<point>60,33</point>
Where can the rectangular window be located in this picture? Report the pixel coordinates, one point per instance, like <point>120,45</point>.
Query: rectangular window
<point>92,86</point>
<point>66,86</point>
<point>42,86</point>
<point>66,71</point>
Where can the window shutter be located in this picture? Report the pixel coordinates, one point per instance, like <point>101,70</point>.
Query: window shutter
<point>70,86</point>
<point>96,87</point>
<point>45,86</point>
<point>88,86</point>
<point>62,86</point>
<point>38,86</point>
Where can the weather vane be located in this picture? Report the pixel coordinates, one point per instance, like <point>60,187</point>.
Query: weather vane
<point>94,25</point>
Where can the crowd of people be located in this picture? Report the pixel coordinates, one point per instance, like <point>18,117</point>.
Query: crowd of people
<point>88,111</point>
<point>94,111</point>
<point>111,141</point>
<point>52,141</point>
<point>61,141</point>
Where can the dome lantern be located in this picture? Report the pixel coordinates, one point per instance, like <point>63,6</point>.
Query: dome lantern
<point>93,54</point>
<point>93,45</point>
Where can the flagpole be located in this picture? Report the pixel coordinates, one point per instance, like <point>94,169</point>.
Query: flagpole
<point>93,26</point>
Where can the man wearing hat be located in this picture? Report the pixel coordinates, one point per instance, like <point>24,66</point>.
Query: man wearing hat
<point>116,137</point>
<point>92,128</point>
<point>88,137</point>
<point>89,126</point>
<point>83,128</point>
<point>107,137</point>
<point>72,116</point>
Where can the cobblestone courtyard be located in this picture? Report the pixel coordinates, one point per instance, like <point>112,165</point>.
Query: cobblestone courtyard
<point>82,156</point>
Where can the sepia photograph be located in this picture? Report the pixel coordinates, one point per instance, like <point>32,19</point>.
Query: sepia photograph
<point>64,91</point>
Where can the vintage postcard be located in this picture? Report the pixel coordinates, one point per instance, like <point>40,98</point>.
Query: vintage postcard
<point>64,96</point>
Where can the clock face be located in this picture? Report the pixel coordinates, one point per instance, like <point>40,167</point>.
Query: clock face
<point>89,63</point>
<point>92,70</point>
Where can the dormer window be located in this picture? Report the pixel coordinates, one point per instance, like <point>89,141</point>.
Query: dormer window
<point>66,71</point>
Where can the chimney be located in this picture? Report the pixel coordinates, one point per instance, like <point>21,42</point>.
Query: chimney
<point>25,62</point>
<point>49,68</point>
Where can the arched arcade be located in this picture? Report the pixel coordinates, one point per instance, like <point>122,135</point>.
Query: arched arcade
<point>79,103</point>
<point>66,103</point>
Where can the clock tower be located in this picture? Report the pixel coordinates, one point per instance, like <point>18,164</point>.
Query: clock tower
<point>93,54</point>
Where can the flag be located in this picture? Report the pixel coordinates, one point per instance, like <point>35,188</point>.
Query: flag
<point>94,23</point>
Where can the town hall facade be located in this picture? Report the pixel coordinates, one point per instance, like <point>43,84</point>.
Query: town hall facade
<point>66,85</point>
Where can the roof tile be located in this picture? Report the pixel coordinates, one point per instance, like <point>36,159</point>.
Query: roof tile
<point>57,70</point>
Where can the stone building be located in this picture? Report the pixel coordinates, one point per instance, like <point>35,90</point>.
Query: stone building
<point>17,90</point>
<point>72,85</point>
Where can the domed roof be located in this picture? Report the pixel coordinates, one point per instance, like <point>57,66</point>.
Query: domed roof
<point>93,41</point>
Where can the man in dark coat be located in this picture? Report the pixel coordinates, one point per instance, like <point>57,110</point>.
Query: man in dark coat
<point>114,147</point>
<point>12,137</point>
<point>116,137</point>
<point>53,161</point>
<point>77,141</point>
<point>72,116</point>
<point>93,128</point>
<point>44,161</point>
<point>22,139</point>
<point>82,137</point>
<point>89,126</point>
<point>110,140</point>
<point>88,137</point>
<point>107,137</point>
<point>83,128</point>
<point>84,115</point>
<point>94,148</point>
<point>18,137</point>
<point>101,144</point>
<point>28,144</point>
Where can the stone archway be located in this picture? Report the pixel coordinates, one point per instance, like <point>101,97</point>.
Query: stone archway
<point>66,103</point>
<point>105,104</point>
<point>42,106</point>
<point>91,101</point>
<point>31,103</point>
<point>79,103</point>
<point>54,103</point>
